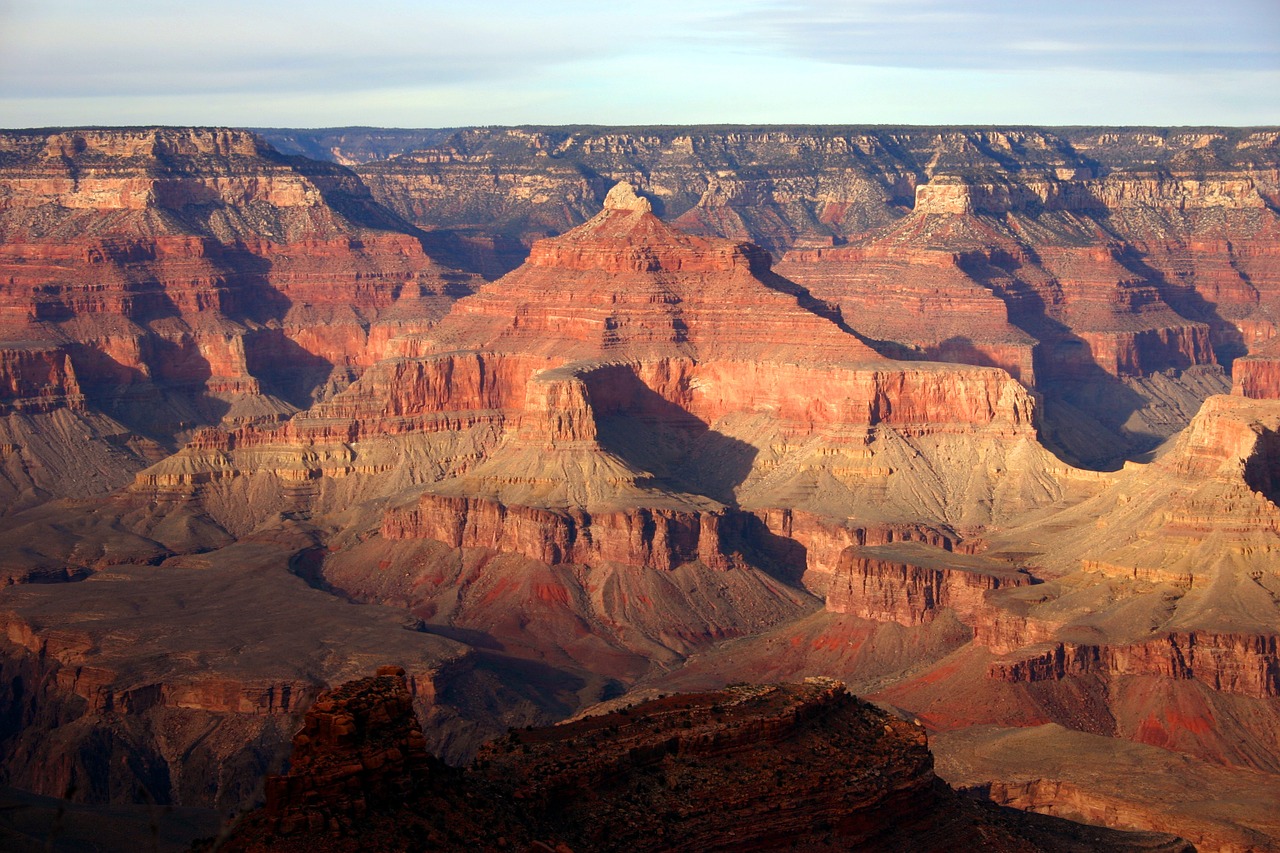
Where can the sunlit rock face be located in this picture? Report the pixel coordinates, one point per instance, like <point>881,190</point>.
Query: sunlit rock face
<point>156,280</point>
<point>1118,272</point>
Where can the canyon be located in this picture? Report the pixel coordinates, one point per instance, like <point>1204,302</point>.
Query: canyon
<point>980,422</point>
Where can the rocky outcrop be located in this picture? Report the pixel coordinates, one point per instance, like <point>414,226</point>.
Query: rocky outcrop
<point>1258,374</point>
<point>748,767</point>
<point>911,585</point>
<point>36,379</point>
<point>651,538</point>
<point>360,749</point>
<point>1246,664</point>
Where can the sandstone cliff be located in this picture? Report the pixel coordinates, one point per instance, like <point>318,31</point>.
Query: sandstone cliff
<point>643,458</point>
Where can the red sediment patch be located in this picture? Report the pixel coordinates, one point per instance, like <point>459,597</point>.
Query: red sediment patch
<point>551,593</point>
<point>1157,732</point>
<point>499,589</point>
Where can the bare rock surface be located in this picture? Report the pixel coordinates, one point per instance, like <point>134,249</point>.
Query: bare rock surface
<point>748,767</point>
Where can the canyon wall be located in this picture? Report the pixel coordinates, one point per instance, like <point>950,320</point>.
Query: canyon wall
<point>646,440</point>
<point>167,279</point>
<point>1080,260</point>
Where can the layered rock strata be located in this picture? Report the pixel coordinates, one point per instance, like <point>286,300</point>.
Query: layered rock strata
<point>910,586</point>
<point>170,278</point>
<point>1077,259</point>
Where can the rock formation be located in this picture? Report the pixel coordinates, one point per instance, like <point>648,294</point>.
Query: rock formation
<point>360,749</point>
<point>1088,262</point>
<point>156,280</point>
<point>749,767</point>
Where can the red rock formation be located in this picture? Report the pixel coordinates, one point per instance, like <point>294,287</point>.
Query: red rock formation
<point>1247,664</point>
<point>37,380</point>
<point>626,318</point>
<point>625,283</point>
<point>982,287</point>
<point>626,451</point>
<point>360,749</point>
<point>743,768</point>
<point>172,277</point>
<point>824,541</point>
<point>910,585</point>
<point>646,537</point>
<point>1258,374</point>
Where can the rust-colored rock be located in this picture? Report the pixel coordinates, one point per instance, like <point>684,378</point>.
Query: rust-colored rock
<point>745,768</point>
<point>911,585</point>
<point>646,537</point>
<point>360,749</point>
<point>171,278</point>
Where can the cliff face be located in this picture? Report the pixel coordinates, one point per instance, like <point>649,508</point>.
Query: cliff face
<point>169,278</point>
<point>774,186</point>
<point>1080,260</point>
<point>887,585</point>
<point>644,537</point>
<point>360,749</point>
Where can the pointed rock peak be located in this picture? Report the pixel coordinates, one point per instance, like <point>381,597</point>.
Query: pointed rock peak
<point>623,197</point>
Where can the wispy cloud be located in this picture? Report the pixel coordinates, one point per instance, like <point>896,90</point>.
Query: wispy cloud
<point>1146,35</point>
<point>431,62</point>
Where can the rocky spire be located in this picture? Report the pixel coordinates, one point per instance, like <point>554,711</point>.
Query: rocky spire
<point>623,197</point>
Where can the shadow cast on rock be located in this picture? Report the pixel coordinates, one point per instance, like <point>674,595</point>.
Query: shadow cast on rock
<point>652,433</point>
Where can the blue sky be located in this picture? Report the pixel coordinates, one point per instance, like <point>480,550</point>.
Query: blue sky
<point>435,64</point>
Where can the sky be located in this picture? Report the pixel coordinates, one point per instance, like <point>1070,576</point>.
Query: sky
<point>397,63</point>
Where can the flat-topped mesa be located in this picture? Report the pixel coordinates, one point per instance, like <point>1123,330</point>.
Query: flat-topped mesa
<point>911,584</point>
<point>644,537</point>
<point>1258,374</point>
